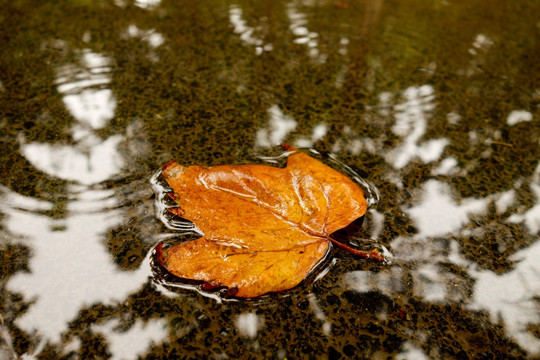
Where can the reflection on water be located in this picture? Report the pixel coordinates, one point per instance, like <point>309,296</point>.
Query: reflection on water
<point>446,167</point>
<point>302,35</point>
<point>445,123</point>
<point>128,344</point>
<point>438,214</point>
<point>249,324</point>
<point>248,34</point>
<point>510,296</point>
<point>517,116</point>
<point>319,314</point>
<point>411,352</point>
<point>89,163</point>
<point>151,37</point>
<point>147,4</point>
<point>478,52</point>
<point>318,132</point>
<point>70,267</point>
<point>411,124</point>
<point>82,83</point>
<point>531,217</point>
<point>92,159</point>
<point>279,126</point>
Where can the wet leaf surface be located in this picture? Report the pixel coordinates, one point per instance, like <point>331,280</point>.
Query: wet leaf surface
<point>265,228</point>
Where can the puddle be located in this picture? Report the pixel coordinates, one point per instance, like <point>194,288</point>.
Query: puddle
<point>96,96</point>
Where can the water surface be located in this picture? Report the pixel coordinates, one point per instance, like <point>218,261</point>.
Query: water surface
<point>437,103</point>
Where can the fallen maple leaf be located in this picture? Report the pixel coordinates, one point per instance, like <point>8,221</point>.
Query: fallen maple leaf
<point>265,228</point>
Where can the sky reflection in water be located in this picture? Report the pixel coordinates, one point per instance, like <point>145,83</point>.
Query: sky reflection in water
<point>437,216</point>
<point>92,159</point>
<point>71,268</point>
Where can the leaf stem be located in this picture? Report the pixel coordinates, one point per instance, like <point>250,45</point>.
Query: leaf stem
<point>373,254</point>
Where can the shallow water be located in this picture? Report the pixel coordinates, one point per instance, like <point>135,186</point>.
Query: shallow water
<point>437,103</point>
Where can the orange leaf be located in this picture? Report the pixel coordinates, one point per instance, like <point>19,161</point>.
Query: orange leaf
<point>264,227</point>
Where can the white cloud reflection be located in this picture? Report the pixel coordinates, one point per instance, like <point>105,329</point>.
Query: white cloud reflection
<point>388,282</point>
<point>70,264</point>
<point>319,314</point>
<point>151,37</point>
<point>82,86</point>
<point>69,268</point>
<point>446,167</point>
<point>92,69</point>
<point>510,296</point>
<point>302,35</point>
<point>411,118</point>
<point>478,53</point>
<point>517,116</point>
<point>505,200</point>
<point>99,162</point>
<point>411,123</point>
<point>318,132</point>
<point>20,202</point>
<point>409,351</point>
<point>279,126</point>
<point>247,33</point>
<point>90,159</point>
<point>438,213</point>
<point>136,340</point>
<point>91,107</point>
<point>438,218</point>
<point>147,4</point>
<point>248,324</point>
<point>531,217</point>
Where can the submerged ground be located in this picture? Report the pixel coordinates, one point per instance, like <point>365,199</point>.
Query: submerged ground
<point>436,103</point>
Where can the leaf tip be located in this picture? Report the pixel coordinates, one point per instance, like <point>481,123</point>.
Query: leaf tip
<point>171,169</point>
<point>159,253</point>
<point>232,291</point>
<point>168,165</point>
<point>211,285</point>
<point>176,211</point>
<point>288,147</point>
